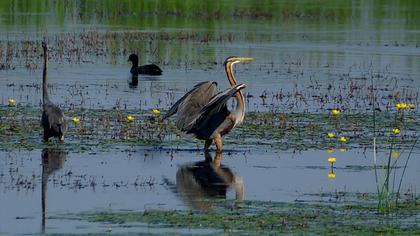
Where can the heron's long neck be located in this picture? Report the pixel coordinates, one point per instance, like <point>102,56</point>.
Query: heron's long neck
<point>240,103</point>
<point>45,97</point>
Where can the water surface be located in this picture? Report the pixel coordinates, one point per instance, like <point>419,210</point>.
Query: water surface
<point>310,57</point>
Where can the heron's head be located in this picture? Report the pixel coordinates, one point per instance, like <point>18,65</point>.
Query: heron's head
<point>236,59</point>
<point>133,58</point>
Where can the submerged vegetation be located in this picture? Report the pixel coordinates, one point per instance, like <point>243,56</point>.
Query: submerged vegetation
<point>91,129</point>
<point>256,216</point>
<point>330,75</point>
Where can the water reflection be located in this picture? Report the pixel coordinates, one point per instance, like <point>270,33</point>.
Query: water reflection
<point>199,182</point>
<point>134,82</point>
<point>52,160</point>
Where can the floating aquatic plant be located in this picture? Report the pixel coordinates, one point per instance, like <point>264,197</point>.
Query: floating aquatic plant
<point>332,160</point>
<point>396,131</point>
<point>395,153</point>
<point>335,112</point>
<point>75,120</point>
<point>156,111</point>
<point>401,106</point>
<point>330,135</point>
<point>331,175</point>
<point>411,106</point>
<point>12,102</point>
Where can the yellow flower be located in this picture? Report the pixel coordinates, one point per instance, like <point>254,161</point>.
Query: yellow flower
<point>156,111</point>
<point>331,135</point>
<point>12,102</point>
<point>335,112</point>
<point>343,139</point>
<point>331,151</point>
<point>401,106</point>
<point>75,120</point>
<point>411,106</point>
<point>332,160</point>
<point>396,131</point>
<point>395,153</point>
<point>331,175</point>
<point>131,118</point>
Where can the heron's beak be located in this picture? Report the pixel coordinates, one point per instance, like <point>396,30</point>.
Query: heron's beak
<point>246,59</point>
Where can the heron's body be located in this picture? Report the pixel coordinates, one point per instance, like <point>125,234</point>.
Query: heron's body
<point>53,120</point>
<point>203,113</point>
<point>149,69</point>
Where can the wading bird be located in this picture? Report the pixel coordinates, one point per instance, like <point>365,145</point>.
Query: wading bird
<point>203,113</point>
<point>52,120</point>
<point>149,69</point>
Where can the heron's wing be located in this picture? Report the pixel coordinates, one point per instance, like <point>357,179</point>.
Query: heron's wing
<point>213,114</point>
<point>53,118</point>
<point>196,97</point>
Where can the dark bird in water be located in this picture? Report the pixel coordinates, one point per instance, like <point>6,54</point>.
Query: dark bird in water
<point>52,160</point>
<point>52,120</point>
<point>203,113</point>
<point>149,69</point>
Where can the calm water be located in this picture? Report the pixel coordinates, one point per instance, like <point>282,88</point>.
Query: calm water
<point>301,47</point>
<point>138,179</point>
<point>306,48</point>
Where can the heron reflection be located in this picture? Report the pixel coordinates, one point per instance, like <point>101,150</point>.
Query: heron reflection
<point>198,182</point>
<point>52,160</point>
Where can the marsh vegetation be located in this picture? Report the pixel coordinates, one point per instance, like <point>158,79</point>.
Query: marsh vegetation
<point>330,135</point>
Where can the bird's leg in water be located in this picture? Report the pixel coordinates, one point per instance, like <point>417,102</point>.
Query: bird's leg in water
<point>207,156</point>
<point>45,136</point>
<point>219,143</point>
<point>217,159</point>
<point>207,145</point>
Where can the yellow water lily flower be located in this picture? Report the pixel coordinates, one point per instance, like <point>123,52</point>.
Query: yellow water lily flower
<point>12,102</point>
<point>343,139</point>
<point>332,160</point>
<point>75,120</point>
<point>395,153</point>
<point>401,106</point>
<point>331,175</point>
<point>396,131</point>
<point>156,111</point>
<point>331,135</point>
<point>411,106</point>
<point>131,118</point>
<point>335,112</point>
